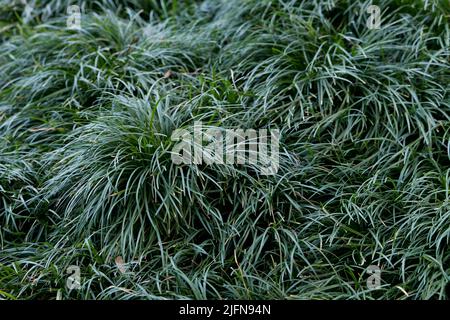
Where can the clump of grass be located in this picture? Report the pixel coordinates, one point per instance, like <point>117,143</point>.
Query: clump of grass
<point>86,176</point>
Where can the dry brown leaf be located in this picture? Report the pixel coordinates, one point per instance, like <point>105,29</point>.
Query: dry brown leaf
<point>121,264</point>
<point>168,74</point>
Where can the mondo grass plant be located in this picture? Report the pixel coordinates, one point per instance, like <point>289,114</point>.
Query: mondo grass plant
<point>87,181</point>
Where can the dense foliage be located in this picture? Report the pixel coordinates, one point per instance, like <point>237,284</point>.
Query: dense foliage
<point>86,176</point>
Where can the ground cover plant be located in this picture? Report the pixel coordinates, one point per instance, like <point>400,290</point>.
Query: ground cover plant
<point>87,181</point>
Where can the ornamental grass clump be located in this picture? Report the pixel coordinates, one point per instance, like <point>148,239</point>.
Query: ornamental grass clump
<point>92,97</point>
